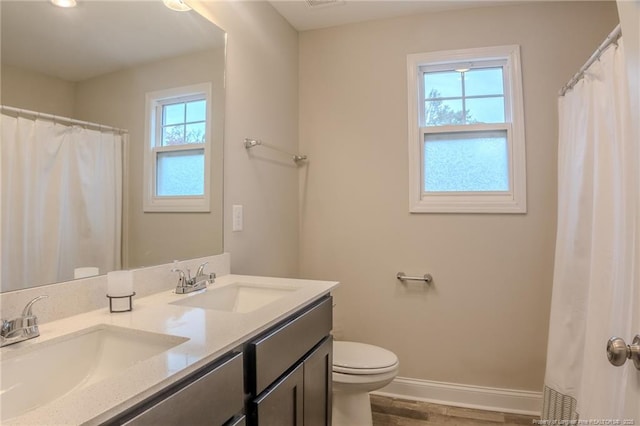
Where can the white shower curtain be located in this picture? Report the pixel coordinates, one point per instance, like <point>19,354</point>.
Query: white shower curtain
<point>61,201</point>
<point>593,289</point>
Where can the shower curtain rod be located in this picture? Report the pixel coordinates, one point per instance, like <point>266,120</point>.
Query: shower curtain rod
<point>62,120</point>
<point>611,39</point>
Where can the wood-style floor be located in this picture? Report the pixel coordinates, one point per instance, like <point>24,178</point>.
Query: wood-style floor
<point>400,412</point>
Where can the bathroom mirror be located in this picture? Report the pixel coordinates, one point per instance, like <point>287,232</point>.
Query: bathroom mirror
<point>95,63</point>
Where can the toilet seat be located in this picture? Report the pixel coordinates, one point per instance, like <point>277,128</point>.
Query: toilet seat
<point>362,359</point>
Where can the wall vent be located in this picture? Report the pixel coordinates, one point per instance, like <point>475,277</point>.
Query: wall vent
<point>323,3</point>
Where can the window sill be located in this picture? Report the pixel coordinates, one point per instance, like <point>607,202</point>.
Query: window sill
<point>468,204</point>
<point>177,205</point>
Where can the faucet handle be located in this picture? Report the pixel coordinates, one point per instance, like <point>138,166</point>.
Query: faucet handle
<point>200,271</point>
<point>185,278</point>
<point>27,312</point>
<point>178,270</point>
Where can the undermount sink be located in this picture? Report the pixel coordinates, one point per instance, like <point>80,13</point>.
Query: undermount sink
<point>38,374</point>
<point>237,297</point>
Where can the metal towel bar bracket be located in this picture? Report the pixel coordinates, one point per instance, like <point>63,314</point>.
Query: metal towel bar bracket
<point>427,278</point>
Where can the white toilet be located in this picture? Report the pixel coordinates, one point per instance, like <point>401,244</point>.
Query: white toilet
<point>358,369</point>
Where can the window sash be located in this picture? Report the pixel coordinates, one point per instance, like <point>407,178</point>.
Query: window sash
<point>478,64</point>
<point>159,117</point>
<point>468,129</point>
<point>158,175</point>
<point>156,151</point>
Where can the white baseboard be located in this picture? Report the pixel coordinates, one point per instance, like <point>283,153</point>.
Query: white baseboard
<point>468,396</point>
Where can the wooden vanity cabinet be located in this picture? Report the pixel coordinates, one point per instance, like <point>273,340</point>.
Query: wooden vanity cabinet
<point>280,378</point>
<point>212,395</point>
<point>288,370</point>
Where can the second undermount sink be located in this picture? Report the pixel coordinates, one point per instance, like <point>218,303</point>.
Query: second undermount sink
<point>38,374</point>
<point>237,297</point>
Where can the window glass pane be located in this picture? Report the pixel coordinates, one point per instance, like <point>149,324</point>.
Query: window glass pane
<point>172,114</point>
<point>196,111</point>
<point>195,133</point>
<point>470,162</point>
<point>180,173</point>
<point>439,113</point>
<point>173,135</point>
<point>486,110</point>
<point>446,84</point>
<point>483,81</point>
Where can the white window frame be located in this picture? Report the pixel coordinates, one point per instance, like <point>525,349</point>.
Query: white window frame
<point>153,126</point>
<point>512,201</point>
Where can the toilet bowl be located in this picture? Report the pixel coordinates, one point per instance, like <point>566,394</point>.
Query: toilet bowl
<point>358,369</point>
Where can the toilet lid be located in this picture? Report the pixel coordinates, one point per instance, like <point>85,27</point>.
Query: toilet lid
<point>360,358</point>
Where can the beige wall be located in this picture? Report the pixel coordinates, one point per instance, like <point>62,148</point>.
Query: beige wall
<point>118,99</point>
<point>484,321</point>
<point>35,91</point>
<point>262,102</point>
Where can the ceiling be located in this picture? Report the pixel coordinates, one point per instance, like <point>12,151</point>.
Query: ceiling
<point>98,37</point>
<point>331,13</point>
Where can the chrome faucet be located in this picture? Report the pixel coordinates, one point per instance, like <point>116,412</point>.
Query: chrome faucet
<point>186,284</point>
<point>21,328</point>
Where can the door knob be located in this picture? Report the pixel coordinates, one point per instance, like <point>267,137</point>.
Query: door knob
<point>618,351</point>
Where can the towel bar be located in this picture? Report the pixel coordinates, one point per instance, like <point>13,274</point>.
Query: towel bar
<point>250,143</point>
<point>427,278</point>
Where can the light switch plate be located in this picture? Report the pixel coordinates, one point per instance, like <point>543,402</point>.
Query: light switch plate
<point>238,219</point>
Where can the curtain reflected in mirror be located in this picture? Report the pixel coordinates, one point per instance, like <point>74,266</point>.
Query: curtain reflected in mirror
<point>61,201</point>
<point>72,194</point>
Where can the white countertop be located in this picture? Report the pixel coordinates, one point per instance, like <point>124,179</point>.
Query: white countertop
<point>211,334</point>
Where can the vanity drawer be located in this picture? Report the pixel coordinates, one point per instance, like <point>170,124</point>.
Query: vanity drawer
<point>272,354</point>
<point>211,397</point>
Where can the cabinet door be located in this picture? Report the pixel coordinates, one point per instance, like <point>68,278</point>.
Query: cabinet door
<point>282,403</point>
<point>317,384</point>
